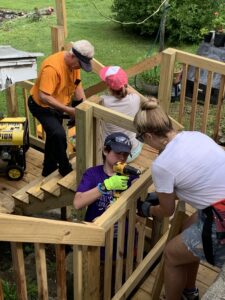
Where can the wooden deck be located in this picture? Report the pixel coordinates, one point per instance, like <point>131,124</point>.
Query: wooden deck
<point>206,276</point>
<point>33,170</point>
<point>34,158</point>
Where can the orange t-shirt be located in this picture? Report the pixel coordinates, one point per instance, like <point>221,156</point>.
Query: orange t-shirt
<point>55,79</point>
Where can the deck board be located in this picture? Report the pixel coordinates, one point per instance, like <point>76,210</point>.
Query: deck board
<point>33,170</point>
<point>206,276</point>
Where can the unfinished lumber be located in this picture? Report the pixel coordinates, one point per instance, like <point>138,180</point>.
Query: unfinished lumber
<point>36,190</point>
<point>18,265</point>
<point>48,184</point>
<point>142,268</point>
<point>51,186</point>
<point>21,195</point>
<point>41,270</point>
<point>50,202</point>
<point>61,271</point>
<point>69,181</point>
<point>177,222</point>
<point>33,230</point>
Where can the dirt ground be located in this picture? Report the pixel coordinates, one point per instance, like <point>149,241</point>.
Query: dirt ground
<point>8,276</point>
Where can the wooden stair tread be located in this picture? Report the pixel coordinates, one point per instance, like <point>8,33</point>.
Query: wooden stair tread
<point>69,181</point>
<point>51,186</point>
<point>21,195</point>
<point>36,190</point>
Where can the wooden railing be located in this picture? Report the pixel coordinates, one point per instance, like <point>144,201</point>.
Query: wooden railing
<point>128,268</point>
<point>122,212</point>
<point>19,230</point>
<point>191,112</point>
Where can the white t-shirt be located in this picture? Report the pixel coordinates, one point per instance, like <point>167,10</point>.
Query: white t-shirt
<point>129,105</point>
<point>193,166</point>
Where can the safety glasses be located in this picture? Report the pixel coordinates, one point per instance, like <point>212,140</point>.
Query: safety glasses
<point>140,137</point>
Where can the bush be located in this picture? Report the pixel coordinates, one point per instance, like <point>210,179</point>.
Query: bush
<point>184,20</point>
<point>137,11</point>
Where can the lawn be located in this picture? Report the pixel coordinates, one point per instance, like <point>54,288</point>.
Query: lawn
<point>113,44</point>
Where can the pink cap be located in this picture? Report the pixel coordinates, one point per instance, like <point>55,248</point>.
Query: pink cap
<point>114,76</point>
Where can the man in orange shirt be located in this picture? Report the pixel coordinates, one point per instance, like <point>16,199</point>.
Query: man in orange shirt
<point>50,97</point>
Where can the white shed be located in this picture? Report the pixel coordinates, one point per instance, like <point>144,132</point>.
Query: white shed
<point>16,65</point>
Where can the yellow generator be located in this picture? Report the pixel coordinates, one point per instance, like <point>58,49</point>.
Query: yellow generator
<point>14,143</point>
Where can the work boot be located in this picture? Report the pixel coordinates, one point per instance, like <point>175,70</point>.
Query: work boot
<point>190,295</point>
<point>48,170</point>
<point>66,171</point>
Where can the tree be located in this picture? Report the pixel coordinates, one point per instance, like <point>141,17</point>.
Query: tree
<point>184,19</point>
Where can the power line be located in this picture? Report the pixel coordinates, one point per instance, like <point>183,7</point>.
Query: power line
<point>128,23</point>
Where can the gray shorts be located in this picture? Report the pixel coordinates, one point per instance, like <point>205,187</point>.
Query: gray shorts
<point>192,238</point>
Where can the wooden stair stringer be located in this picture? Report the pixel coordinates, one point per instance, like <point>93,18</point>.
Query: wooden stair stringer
<point>53,187</point>
<point>49,185</point>
<point>35,192</point>
<point>50,202</point>
<point>21,195</point>
<point>68,182</point>
<point>44,193</point>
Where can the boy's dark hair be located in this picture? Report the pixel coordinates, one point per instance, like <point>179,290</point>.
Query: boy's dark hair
<point>108,149</point>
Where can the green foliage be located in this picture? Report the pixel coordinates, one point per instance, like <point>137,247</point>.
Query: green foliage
<point>83,22</point>
<point>218,22</point>
<point>151,76</point>
<point>10,292</point>
<point>137,11</point>
<point>203,31</point>
<point>184,20</point>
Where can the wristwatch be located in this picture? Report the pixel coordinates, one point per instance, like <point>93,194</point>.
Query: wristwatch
<point>102,188</point>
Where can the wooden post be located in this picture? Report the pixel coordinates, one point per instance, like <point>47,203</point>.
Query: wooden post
<point>11,101</point>
<point>41,270</point>
<point>61,271</point>
<point>166,78</point>
<point>77,272</point>
<point>18,264</point>
<point>57,33</point>
<point>93,273</point>
<point>84,144</point>
<point>84,134</point>
<point>61,15</point>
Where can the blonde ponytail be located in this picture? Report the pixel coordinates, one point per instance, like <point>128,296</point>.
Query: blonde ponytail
<point>151,118</point>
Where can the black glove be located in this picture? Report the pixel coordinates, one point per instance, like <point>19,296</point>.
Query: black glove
<point>143,207</point>
<point>71,123</point>
<point>74,103</point>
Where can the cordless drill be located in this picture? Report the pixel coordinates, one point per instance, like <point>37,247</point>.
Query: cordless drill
<point>124,169</point>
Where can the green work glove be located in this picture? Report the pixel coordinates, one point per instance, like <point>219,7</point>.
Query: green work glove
<point>116,182</point>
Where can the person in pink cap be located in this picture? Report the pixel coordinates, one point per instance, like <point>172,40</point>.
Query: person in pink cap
<point>121,100</point>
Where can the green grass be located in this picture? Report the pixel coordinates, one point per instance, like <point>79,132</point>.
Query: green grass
<point>113,44</point>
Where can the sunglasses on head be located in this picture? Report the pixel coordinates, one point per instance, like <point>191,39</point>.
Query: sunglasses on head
<point>119,139</point>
